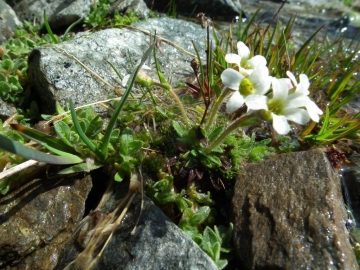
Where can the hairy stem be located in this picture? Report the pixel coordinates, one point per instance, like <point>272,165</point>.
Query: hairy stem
<point>177,100</point>
<point>214,109</point>
<point>245,120</point>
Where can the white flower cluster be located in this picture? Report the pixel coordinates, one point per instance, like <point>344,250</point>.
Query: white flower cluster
<point>288,99</point>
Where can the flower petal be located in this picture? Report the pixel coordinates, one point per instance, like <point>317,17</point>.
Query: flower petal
<point>292,77</point>
<point>295,101</point>
<point>300,116</point>
<point>235,102</point>
<point>243,50</point>
<point>256,102</point>
<point>280,124</point>
<point>257,60</point>
<point>231,78</point>
<point>233,58</point>
<point>260,79</point>
<point>280,88</point>
<point>303,87</point>
<point>313,111</point>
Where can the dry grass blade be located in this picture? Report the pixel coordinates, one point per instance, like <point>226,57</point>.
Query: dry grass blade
<point>100,236</point>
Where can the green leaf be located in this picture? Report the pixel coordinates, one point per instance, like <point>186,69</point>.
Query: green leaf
<point>161,111</point>
<point>211,160</point>
<point>216,251</point>
<point>164,183</point>
<point>117,177</point>
<point>221,263</point>
<point>62,129</point>
<point>191,231</point>
<point>225,233</point>
<point>82,135</point>
<point>209,236</point>
<point>179,130</point>
<point>94,127</point>
<point>165,197</point>
<point>125,138</point>
<point>83,167</point>
<point>115,136</point>
<point>183,203</point>
<point>28,153</point>
<point>200,216</point>
<point>60,110</point>
<point>135,146</point>
<point>8,64</point>
<point>51,143</point>
<point>5,183</point>
<point>4,87</point>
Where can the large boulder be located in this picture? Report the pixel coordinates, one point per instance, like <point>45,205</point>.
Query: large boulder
<point>289,214</point>
<point>57,76</point>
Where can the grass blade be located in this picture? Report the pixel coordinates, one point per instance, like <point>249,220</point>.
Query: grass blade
<point>28,153</point>
<point>300,53</point>
<point>44,139</point>
<point>71,27</point>
<point>48,29</point>
<point>106,139</point>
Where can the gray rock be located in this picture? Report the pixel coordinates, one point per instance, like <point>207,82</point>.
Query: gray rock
<point>216,9</point>
<point>289,214</point>
<point>37,219</point>
<point>337,18</point>
<point>56,76</point>
<point>8,22</point>
<point>58,13</point>
<point>351,186</point>
<point>65,12</point>
<point>127,6</point>
<point>6,110</point>
<point>157,243</point>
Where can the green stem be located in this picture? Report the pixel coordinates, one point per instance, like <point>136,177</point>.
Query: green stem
<point>245,120</point>
<point>172,93</point>
<point>215,108</point>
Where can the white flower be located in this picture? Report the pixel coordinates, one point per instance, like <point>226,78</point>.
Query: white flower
<point>246,65</point>
<point>247,88</point>
<point>284,106</point>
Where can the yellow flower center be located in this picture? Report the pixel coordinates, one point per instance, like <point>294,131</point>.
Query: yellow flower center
<point>246,87</point>
<point>276,106</point>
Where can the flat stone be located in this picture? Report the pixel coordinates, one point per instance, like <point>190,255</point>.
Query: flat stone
<point>289,214</point>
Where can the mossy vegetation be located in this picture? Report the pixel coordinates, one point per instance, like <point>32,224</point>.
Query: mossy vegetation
<point>192,180</point>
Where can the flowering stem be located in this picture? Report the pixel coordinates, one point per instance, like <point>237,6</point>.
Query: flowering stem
<point>172,93</point>
<point>214,109</point>
<point>245,120</point>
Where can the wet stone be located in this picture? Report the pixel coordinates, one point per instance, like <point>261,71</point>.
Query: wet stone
<point>38,218</point>
<point>289,213</point>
